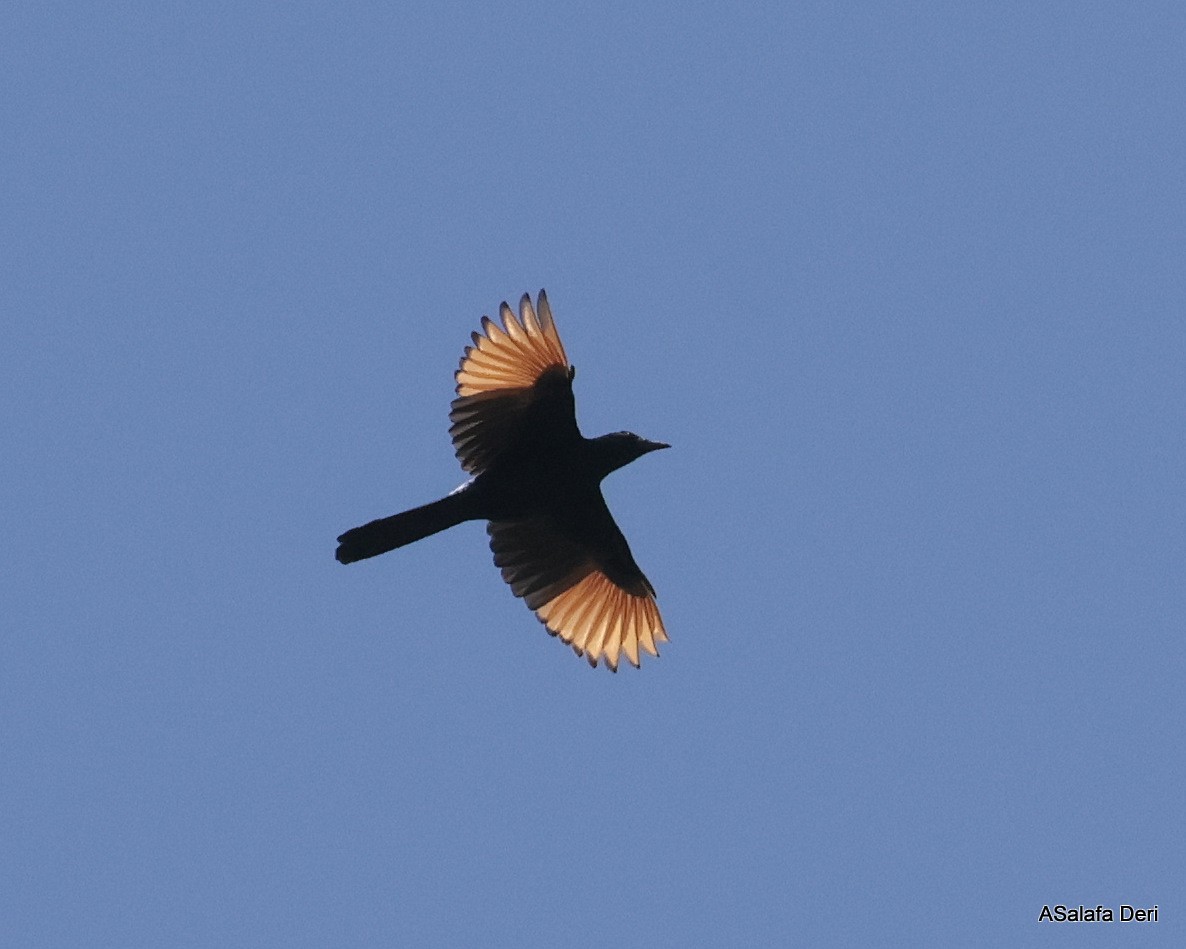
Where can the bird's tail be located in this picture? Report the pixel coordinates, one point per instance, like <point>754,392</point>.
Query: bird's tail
<point>387,533</point>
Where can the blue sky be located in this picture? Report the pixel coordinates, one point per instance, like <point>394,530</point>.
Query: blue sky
<point>902,285</point>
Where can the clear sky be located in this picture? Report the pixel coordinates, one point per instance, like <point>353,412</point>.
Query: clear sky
<point>901,283</point>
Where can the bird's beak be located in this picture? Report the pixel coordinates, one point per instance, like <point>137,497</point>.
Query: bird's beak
<point>655,446</point>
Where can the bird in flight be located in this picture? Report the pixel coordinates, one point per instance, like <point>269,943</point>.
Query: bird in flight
<point>537,481</point>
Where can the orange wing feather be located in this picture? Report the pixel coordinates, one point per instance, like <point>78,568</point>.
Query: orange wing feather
<point>514,355</point>
<point>599,619</point>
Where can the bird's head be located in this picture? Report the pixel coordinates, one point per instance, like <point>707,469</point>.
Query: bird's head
<point>620,448</point>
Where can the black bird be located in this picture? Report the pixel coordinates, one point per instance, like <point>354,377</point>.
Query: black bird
<point>537,480</point>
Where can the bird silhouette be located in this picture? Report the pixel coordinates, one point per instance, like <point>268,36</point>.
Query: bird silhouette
<point>537,481</point>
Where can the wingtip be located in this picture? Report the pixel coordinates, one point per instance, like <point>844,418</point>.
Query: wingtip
<point>544,310</point>
<point>527,315</point>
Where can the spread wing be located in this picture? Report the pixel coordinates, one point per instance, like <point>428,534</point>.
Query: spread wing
<point>595,599</point>
<point>512,374</point>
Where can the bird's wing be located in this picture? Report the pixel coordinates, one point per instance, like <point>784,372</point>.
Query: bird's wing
<point>511,372</point>
<point>597,601</point>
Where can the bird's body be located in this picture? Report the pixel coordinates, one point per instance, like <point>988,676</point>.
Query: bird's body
<point>537,480</point>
